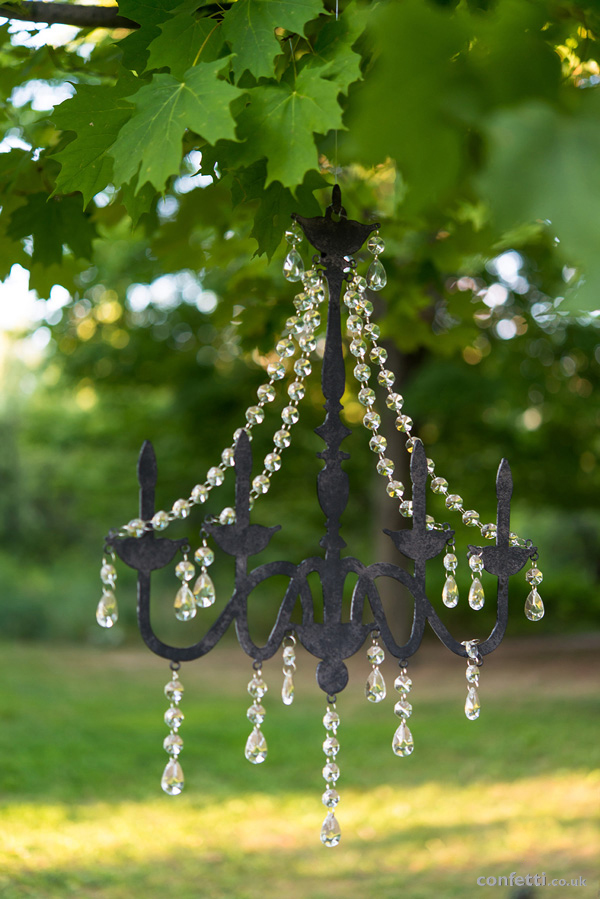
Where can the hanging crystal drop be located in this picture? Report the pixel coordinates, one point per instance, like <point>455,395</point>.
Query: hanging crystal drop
<point>450,592</point>
<point>204,591</point>
<point>257,686</point>
<point>107,612</point>
<point>472,707</point>
<point>256,747</point>
<point>185,605</point>
<point>331,747</point>
<point>476,594</point>
<point>256,713</point>
<point>375,687</point>
<point>331,720</point>
<point>173,744</point>
<point>108,574</point>
<point>174,717</point>
<point>473,674</point>
<point>403,708</point>
<point>174,690</point>
<point>293,267</point>
<point>172,779</point>
<point>403,744</point>
<point>376,276</point>
<point>330,798</point>
<point>287,690</point>
<point>403,683</point>
<point>534,607</point>
<point>330,832</point>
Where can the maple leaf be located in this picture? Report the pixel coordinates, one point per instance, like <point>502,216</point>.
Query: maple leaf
<point>184,38</point>
<point>280,122</point>
<point>96,114</point>
<point>150,142</point>
<point>249,26</point>
<point>52,223</point>
<point>150,14</point>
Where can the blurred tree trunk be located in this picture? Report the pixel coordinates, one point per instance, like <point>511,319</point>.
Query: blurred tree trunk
<point>397,601</point>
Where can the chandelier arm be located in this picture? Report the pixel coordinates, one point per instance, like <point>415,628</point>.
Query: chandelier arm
<point>282,623</point>
<point>183,653</point>
<point>366,586</point>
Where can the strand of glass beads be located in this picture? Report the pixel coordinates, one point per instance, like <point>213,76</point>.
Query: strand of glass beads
<point>476,594</point>
<point>360,330</point>
<point>289,666</point>
<point>256,745</point>
<point>375,687</point>
<point>474,663</point>
<point>107,612</point>
<point>300,330</point>
<point>534,607</point>
<point>330,831</point>
<point>402,743</point>
<point>172,780</point>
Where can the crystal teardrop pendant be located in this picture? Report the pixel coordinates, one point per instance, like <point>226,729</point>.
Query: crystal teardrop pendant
<point>204,591</point>
<point>476,594</point>
<point>403,744</point>
<point>107,612</point>
<point>376,276</point>
<point>375,686</point>
<point>450,592</point>
<point>293,267</point>
<point>472,707</point>
<point>256,747</point>
<point>330,832</point>
<point>185,606</point>
<point>534,607</point>
<point>172,780</point>
<point>287,690</point>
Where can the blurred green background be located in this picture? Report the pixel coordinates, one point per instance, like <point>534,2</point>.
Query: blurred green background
<point>165,333</point>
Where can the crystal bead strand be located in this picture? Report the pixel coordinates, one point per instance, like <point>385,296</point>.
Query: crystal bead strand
<point>534,607</point>
<point>302,328</point>
<point>402,743</point>
<point>172,779</point>
<point>476,594</point>
<point>359,306</point>
<point>256,745</point>
<point>185,604</point>
<point>474,663</point>
<point>375,687</point>
<point>289,666</point>
<point>330,831</point>
<point>107,612</point>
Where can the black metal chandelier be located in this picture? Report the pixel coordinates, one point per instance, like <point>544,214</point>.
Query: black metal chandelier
<point>331,640</point>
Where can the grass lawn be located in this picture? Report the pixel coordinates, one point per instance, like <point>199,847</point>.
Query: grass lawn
<point>82,813</point>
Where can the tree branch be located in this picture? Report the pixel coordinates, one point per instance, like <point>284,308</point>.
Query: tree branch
<point>66,14</point>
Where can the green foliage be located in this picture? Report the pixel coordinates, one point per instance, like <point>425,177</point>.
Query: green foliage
<point>249,29</point>
<point>494,111</point>
<point>148,147</point>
